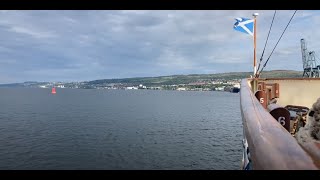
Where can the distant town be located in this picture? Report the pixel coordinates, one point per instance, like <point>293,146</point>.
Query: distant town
<point>193,82</point>
<point>215,85</point>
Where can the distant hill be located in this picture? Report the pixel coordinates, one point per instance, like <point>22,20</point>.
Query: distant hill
<point>174,79</point>
<point>185,79</point>
<point>12,85</point>
<point>24,84</point>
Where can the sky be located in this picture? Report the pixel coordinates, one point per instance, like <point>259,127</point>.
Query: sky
<point>88,45</point>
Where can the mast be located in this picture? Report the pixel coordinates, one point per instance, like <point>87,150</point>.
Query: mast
<point>255,85</point>
<point>255,44</point>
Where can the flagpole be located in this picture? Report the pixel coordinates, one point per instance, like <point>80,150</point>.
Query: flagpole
<point>254,44</point>
<point>255,83</point>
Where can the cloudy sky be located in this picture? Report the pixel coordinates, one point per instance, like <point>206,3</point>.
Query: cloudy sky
<point>88,45</point>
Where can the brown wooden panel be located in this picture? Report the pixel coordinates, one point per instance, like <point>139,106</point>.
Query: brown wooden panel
<point>261,86</point>
<point>273,90</point>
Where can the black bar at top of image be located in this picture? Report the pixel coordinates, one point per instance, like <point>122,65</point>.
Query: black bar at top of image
<point>157,4</point>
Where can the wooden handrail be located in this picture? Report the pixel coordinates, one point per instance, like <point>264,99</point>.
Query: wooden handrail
<point>270,145</point>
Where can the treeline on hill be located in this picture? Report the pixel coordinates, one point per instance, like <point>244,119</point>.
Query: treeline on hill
<point>170,80</point>
<point>185,79</point>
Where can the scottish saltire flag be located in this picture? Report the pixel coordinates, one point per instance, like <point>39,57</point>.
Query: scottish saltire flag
<point>244,25</point>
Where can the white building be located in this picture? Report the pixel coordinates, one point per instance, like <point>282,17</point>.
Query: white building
<point>141,86</point>
<point>181,89</point>
<point>237,85</point>
<point>220,88</point>
<point>132,87</point>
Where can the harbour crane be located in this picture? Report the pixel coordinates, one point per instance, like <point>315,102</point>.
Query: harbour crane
<point>310,67</point>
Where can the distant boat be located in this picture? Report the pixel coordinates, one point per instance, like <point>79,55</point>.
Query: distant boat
<point>235,90</point>
<point>53,91</point>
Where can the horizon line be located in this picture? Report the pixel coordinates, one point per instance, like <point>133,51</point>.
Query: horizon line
<point>140,77</point>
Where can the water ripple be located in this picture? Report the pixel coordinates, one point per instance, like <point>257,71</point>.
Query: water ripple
<point>115,129</point>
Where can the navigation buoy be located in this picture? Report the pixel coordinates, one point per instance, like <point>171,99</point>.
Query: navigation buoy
<point>53,91</point>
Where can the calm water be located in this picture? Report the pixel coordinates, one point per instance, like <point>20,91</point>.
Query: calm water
<point>119,129</point>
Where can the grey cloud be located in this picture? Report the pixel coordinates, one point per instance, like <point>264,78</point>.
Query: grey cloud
<point>84,45</point>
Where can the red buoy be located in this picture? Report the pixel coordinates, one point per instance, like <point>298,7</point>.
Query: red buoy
<point>53,91</point>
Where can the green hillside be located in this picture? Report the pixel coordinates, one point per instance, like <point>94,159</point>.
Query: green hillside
<point>185,79</point>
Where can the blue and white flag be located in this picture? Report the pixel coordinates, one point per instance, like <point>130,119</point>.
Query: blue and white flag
<point>244,25</point>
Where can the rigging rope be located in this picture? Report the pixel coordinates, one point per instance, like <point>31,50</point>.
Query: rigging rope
<point>276,44</point>
<point>266,40</point>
